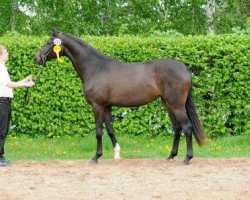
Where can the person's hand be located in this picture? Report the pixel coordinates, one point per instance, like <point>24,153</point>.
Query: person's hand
<point>29,83</point>
<point>28,79</point>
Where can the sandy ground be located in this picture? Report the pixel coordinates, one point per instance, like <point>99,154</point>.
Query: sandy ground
<point>127,179</point>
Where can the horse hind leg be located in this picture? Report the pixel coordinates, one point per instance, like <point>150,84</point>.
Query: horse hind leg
<point>177,134</point>
<point>175,99</point>
<point>181,116</point>
<point>108,124</point>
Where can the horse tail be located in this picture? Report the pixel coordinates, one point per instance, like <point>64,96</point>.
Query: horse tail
<point>194,119</point>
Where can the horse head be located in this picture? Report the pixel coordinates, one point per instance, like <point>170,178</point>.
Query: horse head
<point>52,49</point>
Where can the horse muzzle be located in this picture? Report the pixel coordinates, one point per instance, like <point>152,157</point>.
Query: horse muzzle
<point>39,59</point>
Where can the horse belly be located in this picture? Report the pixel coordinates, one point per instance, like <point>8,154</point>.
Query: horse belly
<point>133,96</point>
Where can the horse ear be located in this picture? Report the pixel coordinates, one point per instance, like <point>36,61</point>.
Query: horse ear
<point>55,32</point>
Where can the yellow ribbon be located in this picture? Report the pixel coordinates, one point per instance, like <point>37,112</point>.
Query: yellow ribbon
<point>57,50</point>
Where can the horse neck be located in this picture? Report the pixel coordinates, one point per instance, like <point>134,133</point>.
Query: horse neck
<point>85,59</point>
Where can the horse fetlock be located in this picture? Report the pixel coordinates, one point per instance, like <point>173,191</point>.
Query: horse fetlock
<point>189,156</point>
<point>98,155</point>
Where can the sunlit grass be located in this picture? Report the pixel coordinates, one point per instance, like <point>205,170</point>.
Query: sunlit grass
<point>41,148</point>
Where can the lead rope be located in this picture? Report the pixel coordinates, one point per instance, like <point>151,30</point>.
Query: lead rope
<point>27,92</point>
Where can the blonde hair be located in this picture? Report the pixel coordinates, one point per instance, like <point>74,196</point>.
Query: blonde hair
<point>2,48</point>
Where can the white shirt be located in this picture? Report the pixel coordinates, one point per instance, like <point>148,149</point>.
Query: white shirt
<point>4,79</point>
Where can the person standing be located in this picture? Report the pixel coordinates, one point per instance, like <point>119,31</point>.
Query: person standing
<point>6,95</point>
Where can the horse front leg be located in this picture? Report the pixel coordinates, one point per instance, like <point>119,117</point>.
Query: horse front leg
<point>109,127</point>
<point>99,117</point>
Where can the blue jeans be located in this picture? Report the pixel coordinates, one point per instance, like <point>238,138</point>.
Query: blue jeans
<point>5,112</point>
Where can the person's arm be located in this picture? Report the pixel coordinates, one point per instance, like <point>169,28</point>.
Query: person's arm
<point>26,82</point>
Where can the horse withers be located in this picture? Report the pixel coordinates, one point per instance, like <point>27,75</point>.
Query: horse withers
<point>108,82</point>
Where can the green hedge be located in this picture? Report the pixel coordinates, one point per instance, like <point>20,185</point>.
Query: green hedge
<point>221,71</point>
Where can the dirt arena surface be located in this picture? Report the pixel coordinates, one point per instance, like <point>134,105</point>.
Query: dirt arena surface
<point>127,179</point>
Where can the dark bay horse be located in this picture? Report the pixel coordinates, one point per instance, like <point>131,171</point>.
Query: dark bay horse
<point>108,82</point>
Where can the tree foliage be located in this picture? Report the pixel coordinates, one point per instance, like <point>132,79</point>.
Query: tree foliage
<point>119,17</point>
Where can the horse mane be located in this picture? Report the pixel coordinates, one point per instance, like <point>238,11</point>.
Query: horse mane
<point>81,42</point>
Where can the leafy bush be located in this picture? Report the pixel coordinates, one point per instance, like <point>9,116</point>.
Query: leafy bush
<point>220,66</point>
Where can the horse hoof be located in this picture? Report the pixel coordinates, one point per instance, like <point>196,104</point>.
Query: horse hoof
<point>186,161</point>
<point>93,162</point>
<point>171,159</point>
